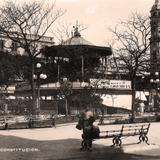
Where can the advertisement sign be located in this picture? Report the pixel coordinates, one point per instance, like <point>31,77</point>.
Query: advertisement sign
<point>5,89</point>
<point>111,84</point>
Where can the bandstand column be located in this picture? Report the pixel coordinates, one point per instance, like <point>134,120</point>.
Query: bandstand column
<point>82,67</point>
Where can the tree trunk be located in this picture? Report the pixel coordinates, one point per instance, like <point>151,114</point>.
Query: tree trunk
<point>133,99</point>
<point>33,87</point>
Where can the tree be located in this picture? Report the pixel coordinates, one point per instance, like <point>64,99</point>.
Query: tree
<point>7,69</point>
<point>12,68</point>
<point>62,32</point>
<point>132,47</point>
<point>27,24</point>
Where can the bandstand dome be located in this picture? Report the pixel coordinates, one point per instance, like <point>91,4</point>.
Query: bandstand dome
<point>77,46</point>
<point>76,40</point>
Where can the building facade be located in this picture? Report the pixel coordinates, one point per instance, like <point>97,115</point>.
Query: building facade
<point>155,55</point>
<point>155,37</point>
<point>14,47</point>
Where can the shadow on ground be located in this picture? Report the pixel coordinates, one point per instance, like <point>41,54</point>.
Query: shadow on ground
<point>68,149</point>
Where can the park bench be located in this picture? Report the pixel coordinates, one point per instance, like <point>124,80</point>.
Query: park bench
<point>15,122</point>
<point>112,119</point>
<point>37,122</point>
<point>2,122</point>
<point>140,130</point>
<point>22,122</point>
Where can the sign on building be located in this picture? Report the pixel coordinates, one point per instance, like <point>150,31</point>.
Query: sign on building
<point>5,89</point>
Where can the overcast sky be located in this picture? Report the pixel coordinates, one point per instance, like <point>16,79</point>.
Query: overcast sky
<point>98,15</point>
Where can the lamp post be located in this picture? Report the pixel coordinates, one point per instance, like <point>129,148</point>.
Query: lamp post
<point>155,81</point>
<point>56,61</point>
<point>38,75</point>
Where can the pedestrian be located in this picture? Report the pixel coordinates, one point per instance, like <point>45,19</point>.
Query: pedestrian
<point>6,126</point>
<point>30,123</point>
<point>53,120</point>
<point>142,106</point>
<point>101,120</point>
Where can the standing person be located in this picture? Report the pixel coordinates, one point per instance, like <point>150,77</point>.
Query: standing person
<point>142,106</point>
<point>30,123</point>
<point>53,118</point>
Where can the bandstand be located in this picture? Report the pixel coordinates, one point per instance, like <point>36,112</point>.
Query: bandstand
<point>77,67</point>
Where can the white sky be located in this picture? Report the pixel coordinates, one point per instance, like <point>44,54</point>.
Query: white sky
<point>99,15</point>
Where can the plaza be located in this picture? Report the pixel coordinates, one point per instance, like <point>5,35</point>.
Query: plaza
<point>63,142</point>
<point>48,88</point>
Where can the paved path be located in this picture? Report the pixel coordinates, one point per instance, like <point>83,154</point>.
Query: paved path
<point>63,143</point>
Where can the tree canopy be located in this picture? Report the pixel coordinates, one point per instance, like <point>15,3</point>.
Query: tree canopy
<point>132,48</point>
<point>131,38</point>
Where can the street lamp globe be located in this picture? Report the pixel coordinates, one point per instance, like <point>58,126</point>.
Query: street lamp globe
<point>38,65</point>
<point>151,80</point>
<point>64,79</point>
<point>156,73</point>
<point>43,76</point>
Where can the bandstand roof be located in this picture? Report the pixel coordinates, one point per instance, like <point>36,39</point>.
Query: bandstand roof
<point>77,46</point>
<point>77,50</point>
<point>77,40</point>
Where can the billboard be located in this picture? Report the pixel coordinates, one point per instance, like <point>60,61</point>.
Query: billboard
<point>111,84</point>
